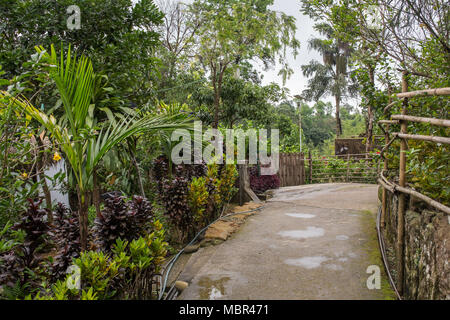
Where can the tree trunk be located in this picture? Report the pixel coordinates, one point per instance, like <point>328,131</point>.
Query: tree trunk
<point>132,150</point>
<point>370,114</point>
<point>47,195</point>
<point>40,170</point>
<point>338,116</point>
<point>96,193</point>
<point>216,107</point>
<point>136,166</point>
<point>83,208</point>
<point>369,129</point>
<point>217,84</point>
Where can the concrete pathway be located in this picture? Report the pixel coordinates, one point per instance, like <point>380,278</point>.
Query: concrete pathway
<point>309,242</point>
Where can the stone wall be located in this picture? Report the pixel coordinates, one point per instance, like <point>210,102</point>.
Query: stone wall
<point>427,249</point>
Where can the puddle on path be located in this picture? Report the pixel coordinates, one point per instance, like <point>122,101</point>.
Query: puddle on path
<point>301,215</point>
<point>310,232</point>
<point>342,237</point>
<point>334,267</point>
<point>212,289</point>
<point>307,262</point>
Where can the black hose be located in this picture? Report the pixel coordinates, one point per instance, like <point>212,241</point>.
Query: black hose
<point>383,254</point>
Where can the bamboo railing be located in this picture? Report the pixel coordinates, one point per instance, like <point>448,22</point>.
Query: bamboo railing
<point>401,188</point>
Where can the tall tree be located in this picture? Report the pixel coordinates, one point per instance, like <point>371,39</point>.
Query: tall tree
<point>232,31</point>
<point>177,34</point>
<point>117,35</point>
<point>331,76</point>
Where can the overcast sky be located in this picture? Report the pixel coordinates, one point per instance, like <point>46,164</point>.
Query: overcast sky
<point>297,83</point>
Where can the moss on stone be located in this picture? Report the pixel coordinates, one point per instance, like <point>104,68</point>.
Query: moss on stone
<point>368,222</point>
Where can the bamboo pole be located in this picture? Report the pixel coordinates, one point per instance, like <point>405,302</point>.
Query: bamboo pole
<point>348,167</point>
<point>386,185</point>
<point>392,187</point>
<point>391,104</point>
<point>388,121</point>
<point>437,122</point>
<point>310,168</point>
<point>385,166</point>
<point>303,169</point>
<point>424,93</point>
<point>435,139</point>
<point>384,195</point>
<point>402,198</point>
<point>426,199</point>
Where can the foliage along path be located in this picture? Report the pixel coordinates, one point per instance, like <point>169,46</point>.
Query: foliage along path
<point>308,242</point>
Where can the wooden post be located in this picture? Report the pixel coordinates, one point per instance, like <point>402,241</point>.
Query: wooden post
<point>291,170</point>
<point>385,168</point>
<point>348,167</point>
<point>303,169</point>
<point>242,177</point>
<point>401,197</point>
<point>310,167</point>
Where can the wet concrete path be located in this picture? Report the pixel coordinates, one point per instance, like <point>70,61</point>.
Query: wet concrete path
<point>309,242</point>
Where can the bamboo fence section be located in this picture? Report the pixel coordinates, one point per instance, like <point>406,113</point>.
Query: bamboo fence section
<point>433,121</point>
<point>401,188</point>
<point>424,93</point>
<point>434,139</point>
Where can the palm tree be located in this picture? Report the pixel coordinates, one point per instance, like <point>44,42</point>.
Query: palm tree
<point>83,144</point>
<point>329,77</point>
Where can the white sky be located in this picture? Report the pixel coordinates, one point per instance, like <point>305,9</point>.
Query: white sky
<point>297,82</point>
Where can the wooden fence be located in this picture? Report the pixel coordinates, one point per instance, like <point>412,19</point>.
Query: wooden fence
<point>292,169</point>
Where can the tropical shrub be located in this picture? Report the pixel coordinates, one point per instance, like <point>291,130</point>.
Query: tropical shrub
<point>66,236</point>
<point>225,184</point>
<point>261,184</point>
<point>182,194</point>
<point>428,170</point>
<point>174,197</point>
<point>121,219</point>
<point>17,156</point>
<point>160,170</point>
<point>127,272</point>
<point>9,238</point>
<point>193,171</point>
<point>198,197</point>
<point>19,267</point>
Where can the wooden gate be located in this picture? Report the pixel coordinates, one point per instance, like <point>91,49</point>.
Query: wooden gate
<point>292,169</point>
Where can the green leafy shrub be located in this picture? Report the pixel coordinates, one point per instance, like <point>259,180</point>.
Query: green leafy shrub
<point>10,238</point>
<point>330,169</point>
<point>128,272</point>
<point>17,155</point>
<point>198,197</point>
<point>224,179</point>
